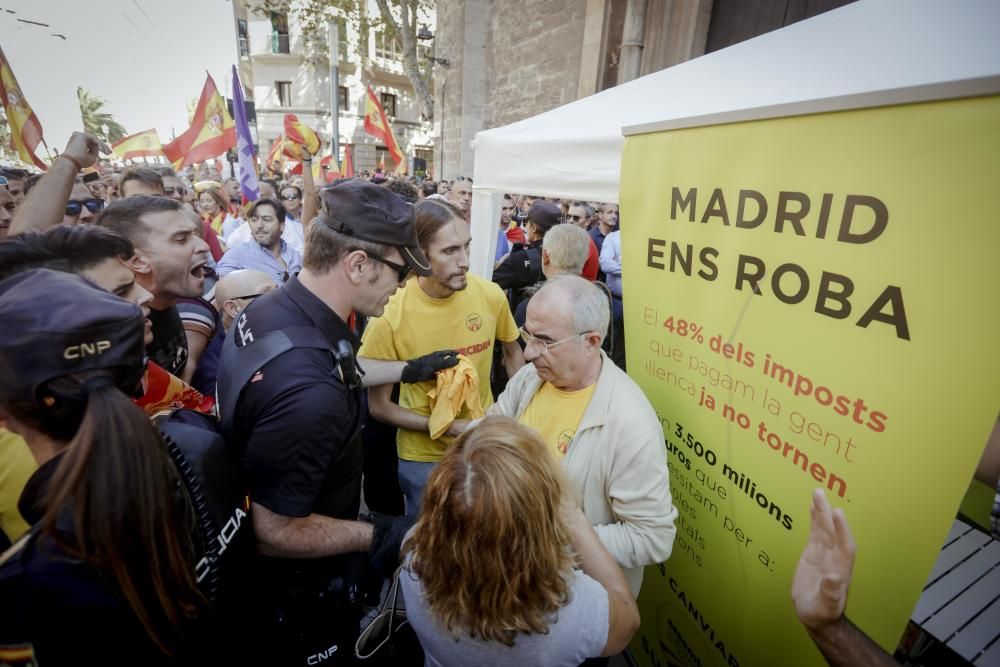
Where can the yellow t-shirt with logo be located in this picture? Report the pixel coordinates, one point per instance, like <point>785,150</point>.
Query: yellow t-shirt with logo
<point>556,415</point>
<point>414,324</point>
<point>17,464</point>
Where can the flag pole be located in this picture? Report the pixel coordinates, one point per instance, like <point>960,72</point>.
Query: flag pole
<point>47,151</point>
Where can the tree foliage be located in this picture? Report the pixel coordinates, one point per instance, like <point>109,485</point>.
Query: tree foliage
<point>96,121</point>
<point>398,19</point>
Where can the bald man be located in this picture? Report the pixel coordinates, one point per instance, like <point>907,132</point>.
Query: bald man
<point>237,289</point>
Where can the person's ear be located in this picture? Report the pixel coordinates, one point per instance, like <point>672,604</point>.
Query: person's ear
<point>231,308</point>
<point>593,339</point>
<point>354,265</point>
<point>140,263</point>
<point>546,259</point>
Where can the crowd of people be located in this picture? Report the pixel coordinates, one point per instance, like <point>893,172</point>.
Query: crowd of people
<point>224,424</point>
<point>189,421</point>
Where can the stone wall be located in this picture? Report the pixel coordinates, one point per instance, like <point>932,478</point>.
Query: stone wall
<point>533,54</point>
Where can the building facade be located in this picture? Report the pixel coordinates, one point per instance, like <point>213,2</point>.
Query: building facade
<point>512,59</point>
<point>283,72</point>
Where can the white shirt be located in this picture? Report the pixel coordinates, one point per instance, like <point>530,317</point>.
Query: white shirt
<point>293,235</point>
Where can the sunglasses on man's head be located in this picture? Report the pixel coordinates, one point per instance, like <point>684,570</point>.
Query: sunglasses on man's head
<point>75,206</point>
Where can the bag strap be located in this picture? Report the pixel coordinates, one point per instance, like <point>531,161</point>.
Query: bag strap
<point>390,606</point>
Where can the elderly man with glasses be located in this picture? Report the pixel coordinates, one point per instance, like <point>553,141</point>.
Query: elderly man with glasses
<point>597,421</point>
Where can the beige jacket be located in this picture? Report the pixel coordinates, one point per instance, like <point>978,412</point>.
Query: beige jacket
<point>617,464</point>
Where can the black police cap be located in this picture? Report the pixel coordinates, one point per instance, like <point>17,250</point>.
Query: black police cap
<point>545,215</point>
<point>56,324</point>
<point>366,211</point>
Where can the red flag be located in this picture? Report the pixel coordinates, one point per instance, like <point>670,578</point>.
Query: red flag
<point>377,126</point>
<point>211,134</point>
<point>25,130</point>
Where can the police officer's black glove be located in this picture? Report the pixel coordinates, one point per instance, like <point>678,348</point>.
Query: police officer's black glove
<point>423,368</point>
<point>387,539</point>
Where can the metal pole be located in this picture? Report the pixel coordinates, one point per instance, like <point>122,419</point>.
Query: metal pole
<point>334,37</point>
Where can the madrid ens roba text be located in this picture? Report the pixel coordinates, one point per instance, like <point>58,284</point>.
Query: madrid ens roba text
<point>862,219</point>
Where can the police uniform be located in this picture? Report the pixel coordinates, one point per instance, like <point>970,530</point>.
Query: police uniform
<point>523,266</point>
<point>57,609</point>
<point>297,427</point>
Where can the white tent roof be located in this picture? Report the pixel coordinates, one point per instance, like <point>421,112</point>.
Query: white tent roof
<point>870,53</point>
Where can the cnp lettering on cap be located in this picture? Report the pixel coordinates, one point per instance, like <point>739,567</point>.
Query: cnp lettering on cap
<point>87,349</point>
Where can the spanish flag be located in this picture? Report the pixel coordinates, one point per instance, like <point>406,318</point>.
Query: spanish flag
<point>25,130</point>
<point>298,135</point>
<point>377,126</point>
<point>275,158</point>
<point>211,134</point>
<point>141,144</point>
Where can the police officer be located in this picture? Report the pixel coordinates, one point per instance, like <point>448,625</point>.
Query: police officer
<point>523,266</point>
<point>108,563</point>
<point>290,394</point>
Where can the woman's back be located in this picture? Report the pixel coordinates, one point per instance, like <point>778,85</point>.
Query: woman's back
<point>578,631</point>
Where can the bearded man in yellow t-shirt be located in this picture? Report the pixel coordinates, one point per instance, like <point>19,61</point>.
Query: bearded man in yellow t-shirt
<point>449,309</point>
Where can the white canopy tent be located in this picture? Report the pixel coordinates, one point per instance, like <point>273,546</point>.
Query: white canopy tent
<point>869,53</point>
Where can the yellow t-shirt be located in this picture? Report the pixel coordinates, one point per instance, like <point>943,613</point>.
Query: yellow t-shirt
<point>16,465</point>
<point>556,415</point>
<point>414,324</point>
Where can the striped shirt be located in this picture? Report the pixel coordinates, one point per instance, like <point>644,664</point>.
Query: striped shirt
<point>251,255</point>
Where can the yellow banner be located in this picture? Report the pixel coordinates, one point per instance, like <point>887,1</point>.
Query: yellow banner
<point>865,364</point>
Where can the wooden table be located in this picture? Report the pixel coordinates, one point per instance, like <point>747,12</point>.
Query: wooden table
<point>960,605</point>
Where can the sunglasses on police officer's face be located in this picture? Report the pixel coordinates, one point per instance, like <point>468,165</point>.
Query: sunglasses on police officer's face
<point>402,270</point>
<point>75,206</point>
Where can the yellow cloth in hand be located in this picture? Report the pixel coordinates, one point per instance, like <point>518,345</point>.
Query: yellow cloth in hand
<point>457,386</point>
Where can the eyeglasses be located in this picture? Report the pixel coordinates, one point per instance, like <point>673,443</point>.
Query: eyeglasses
<point>545,345</point>
<point>402,270</point>
<point>75,206</point>
<point>170,191</point>
<point>3,180</point>
<point>574,218</point>
<point>251,297</point>
<point>290,197</point>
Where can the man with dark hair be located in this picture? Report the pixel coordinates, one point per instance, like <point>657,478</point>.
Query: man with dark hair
<point>15,183</point>
<point>403,189</point>
<point>296,416</point>
<point>268,188</point>
<point>140,181</point>
<point>267,252</point>
<point>292,232</point>
<point>170,261</point>
<point>426,189</point>
<point>173,187</point>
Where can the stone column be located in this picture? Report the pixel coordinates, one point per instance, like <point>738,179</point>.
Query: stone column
<point>630,62</point>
